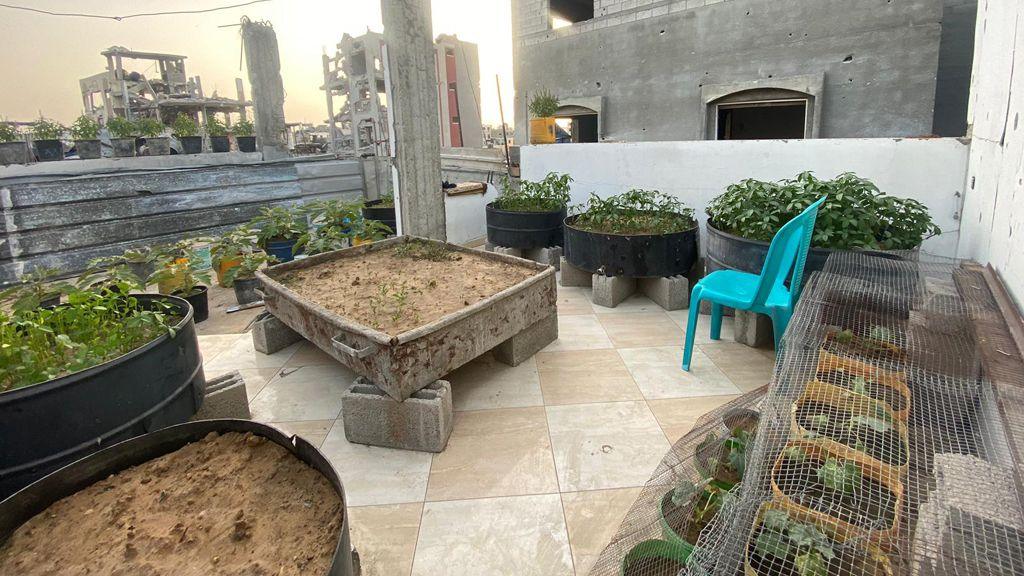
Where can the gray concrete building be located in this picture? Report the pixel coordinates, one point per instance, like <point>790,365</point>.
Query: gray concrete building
<point>658,70</point>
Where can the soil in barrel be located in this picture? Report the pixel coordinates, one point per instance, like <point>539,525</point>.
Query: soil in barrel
<point>873,389</point>
<point>835,423</point>
<point>869,505</point>
<point>227,504</point>
<point>653,567</point>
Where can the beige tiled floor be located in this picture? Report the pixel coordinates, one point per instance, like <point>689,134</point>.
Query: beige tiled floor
<point>545,458</point>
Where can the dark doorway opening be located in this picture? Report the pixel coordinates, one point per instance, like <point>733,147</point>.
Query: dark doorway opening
<point>762,120</point>
<point>572,11</point>
<point>579,128</point>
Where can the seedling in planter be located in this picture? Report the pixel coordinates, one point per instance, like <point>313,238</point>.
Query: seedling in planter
<point>185,126</point>
<point>35,288</point>
<point>215,127</point>
<point>548,195</point>
<point>44,129</point>
<point>121,128</point>
<point>635,212</point>
<point>845,477</point>
<point>9,132</point>
<point>419,250</point>
<point>233,244</point>
<point>243,128</point>
<point>781,537</point>
<point>248,265</point>
<point>544,104</point>
<point>110,273</point>
<point>150,127</point>
<point>277,223</point>
<point>391,301</point>
<point>186,271</point>
<point>85,128</point>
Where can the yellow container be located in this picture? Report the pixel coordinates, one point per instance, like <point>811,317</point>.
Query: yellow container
<point>175,282</point>
<point>542,130</point>
<point>223,267</point>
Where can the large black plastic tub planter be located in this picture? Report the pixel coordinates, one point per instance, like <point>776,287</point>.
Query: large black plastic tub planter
<point>524,230</point>
<point>32,500</point>
<point>634,255</point>
<point>50,424</point>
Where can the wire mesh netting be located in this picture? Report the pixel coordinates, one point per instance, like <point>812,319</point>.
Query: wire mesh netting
<point>878,449</point>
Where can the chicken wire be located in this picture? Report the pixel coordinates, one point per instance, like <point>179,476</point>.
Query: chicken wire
<point>878,449</point>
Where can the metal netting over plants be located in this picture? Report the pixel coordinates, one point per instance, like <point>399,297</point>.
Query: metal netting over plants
<point>880,447</point>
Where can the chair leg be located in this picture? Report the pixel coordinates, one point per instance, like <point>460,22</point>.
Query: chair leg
<point>780,319</point>
<point>716,321</point>
<point>691,326</point>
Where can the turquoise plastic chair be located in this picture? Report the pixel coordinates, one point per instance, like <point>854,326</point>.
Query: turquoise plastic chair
<point>765,294</point>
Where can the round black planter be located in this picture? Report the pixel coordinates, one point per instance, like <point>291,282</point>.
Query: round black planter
<point>51,424</point>
<point>245,290</point>
<point>384,215</point>
<point>21,507</point>
<point>48,150</point>
<point>246,143</point>
<point>88,149</point>
<point>637,256</point>
<point>524,229</point>
<point>191,144</point>
<point>200,303</point>
<point>220,143</point>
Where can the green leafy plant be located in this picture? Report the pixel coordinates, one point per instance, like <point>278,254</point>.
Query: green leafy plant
<point>386,201</point>
<point>9,132</point>
<point>187,271</point>
<point>243,127</point>
<point>85,128</point>
<point>184,126</point>
<point>44,129</point>
<point>548,195</point>
<point>150,127</point>
<point>233,244</point>
<point>35,288</point>
<point>110,273</point>
<point>248,265</point>
<point>855,215</point>
<point>122,128</point>
<point>845,477</point>
<point>634,212</point>
<point>216,127</point>
<point>279,223</point>
<point>543,104</point>
<point>420,250</point>
<point>781,537</point>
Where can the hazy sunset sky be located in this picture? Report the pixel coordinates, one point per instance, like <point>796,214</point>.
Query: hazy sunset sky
<point>44,56</point>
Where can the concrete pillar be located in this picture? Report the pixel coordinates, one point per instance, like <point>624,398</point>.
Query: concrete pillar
<point>263,63</point>
<point>413,106</point>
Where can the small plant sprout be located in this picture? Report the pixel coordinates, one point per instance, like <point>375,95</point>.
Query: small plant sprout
<point>634,212</point>
<point>543,104</point>
<point>860,385</point>
<point>121,128</point>
<point>85,128</point>
<point>881,333</point>
<point>35,287</point>
<point>248,265</point>
<point>44,129</point>
<point>9,132</point>
<point>548,195</point>
<point>795,454</point>
<point>243,127</point>
<point>845,477</point>
<point>870,422</point>
<point>184,126</point>
<point>819,420</point>
<point>781,537</point>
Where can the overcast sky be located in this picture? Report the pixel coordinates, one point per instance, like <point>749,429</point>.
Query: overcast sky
<point>42,57</point>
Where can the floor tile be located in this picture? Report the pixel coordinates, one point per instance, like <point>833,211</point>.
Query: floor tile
<point>678,415</point>
<point>581,376</point>
<point>573,300</point>
<point>629,330</point>
<point>592,518</point>
<point>680,317</point>
<point>373,475</point>
<point>385,537</point>
<point>309,354</point>
<point>582,332</point>
<point>302,393</point>
<point>520,535</point>
<point>314,431</point>
<point>611,445</point>
<point>495,453</point>
<point>658,373</point>
<point>749,368</point>
<point>255,379</point>
<point>634,304</point>
<point>213,344</point>
<point>242,355</point>
<point>485,383</point>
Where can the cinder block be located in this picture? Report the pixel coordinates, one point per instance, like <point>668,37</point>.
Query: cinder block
<point>753,329</point>
<point>225,397</point>
<point>550,256</point>
<point>517,252</point>
<point>528,342</point>
<point>270,335</point>
<point>488,246</point>
<point>422,422</point>
<point>705,308</point>
<point>671,293</point>
<point>573,276</point>
<point>609,291</point>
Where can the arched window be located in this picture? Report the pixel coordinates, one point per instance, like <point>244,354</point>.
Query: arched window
<point>577,124</point>
<point>761,114</point>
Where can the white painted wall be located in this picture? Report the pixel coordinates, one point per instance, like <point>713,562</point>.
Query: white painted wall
<point>928,170</point>
<point>993,223</point>
<point>465,218</point>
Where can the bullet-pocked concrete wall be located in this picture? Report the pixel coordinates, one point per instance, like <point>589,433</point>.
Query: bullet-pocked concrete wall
<point>649,60</point>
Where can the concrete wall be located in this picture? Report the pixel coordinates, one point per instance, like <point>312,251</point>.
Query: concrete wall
<point>464,215</point>
<point>928,170</point>
<point>650,61</point>
<point>993,223</point>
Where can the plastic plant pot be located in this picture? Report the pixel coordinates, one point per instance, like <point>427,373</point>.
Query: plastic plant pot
<point>89,149</point>
<point>283,250</point>
<point>524,230</point>
<point>222,268</point>
<point>158,145</point>
<point>48,150</point>
<point>191,144</point>
<point>14,153</point>
<point>632,255</point>
<point>246,290</point>
<point>199,300</point>
<point>246,143</point>
<point>650,553</point>
<point>123,147</point>
<point>220,144</point>
<point>372,210</point>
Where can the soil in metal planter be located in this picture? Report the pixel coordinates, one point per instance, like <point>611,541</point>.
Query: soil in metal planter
<point>834,423</point>
<point>228,504</point>
<point>653,567</point>
<point>396,290</point>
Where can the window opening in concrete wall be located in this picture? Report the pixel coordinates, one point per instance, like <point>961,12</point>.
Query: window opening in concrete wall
<point>779,119</point>
<point>568,12</point>
<point>576,124</point>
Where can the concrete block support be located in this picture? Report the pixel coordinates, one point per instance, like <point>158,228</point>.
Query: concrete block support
<point>550,256</point>
<point>423,422</point>
<point>753,329</point>
<point>671,293</point>
<point>528,342</point>
<point>705,308</point>
<point>225,397</point>
<point>609,291</point>
<point>270,335</point>
<point>573,276</point>
<point>508,251</point>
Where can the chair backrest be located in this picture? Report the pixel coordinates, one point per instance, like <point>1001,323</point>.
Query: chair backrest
<point>787,254</point>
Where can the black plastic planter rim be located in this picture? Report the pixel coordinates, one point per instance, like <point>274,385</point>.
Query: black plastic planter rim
<point>570,219</point>
<point>824,251</point>
<point>70,379</point>
<point>491,206</point>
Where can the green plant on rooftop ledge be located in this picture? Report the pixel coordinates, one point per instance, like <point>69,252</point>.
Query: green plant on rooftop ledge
<point>635,212</point>
<point>544,104</point>
<point>184,126</point>
<point>44,129</point>
<point>243,127</point>
<point>150,127</point>
<point>9,132</point>
<point>121,128</point>
<point>216,127</point>
<point>85,128</point>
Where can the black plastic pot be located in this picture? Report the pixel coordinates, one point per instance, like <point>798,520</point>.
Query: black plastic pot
<point>384,215</point>
<point>21,507</point>
<point>220,143</point>
<point>636,256</point>
<point>123,147</point>
<point>729,252</point>
<point>246,143</point>
<point>88,149</point>
<point>51,424</point>
<point>191,144</point>
<point>14,153</point>
<point>200,303</point>
<point>158,146</point>
<point>524,229</point>
<point>48,150</point>
<point>245,290</point>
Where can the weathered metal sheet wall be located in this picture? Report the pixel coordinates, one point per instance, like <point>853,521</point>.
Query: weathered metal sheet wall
<point>62,222</point>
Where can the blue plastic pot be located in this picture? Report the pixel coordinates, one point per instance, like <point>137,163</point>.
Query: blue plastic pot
<point>283,250</point>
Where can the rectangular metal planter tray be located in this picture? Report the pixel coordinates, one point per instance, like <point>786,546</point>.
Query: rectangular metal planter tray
<point>400,365</point>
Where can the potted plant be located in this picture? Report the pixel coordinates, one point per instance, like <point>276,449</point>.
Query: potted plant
<point>640,234</point>
<point>13,148</point>
<point>382,210</point>
<point>244,138</point>
<point>193,282</point>
<point>122,136</point>
<point>151,129</point>
<point>654,558</point>
<point>889,388</point>
<point>186,131</point>
<point>37,289</point>
<point>243,276</point>
<point>46,139</point>
<point>337,224</point>
<point>218,133</point>
<point>857,216</point>
<point>873,343</point>
<point>689,507</point>
<point>227,250</point>
<point>279,229</point>
<point>530,216</point>
<point>543,107</point>
<point>85,132</point>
